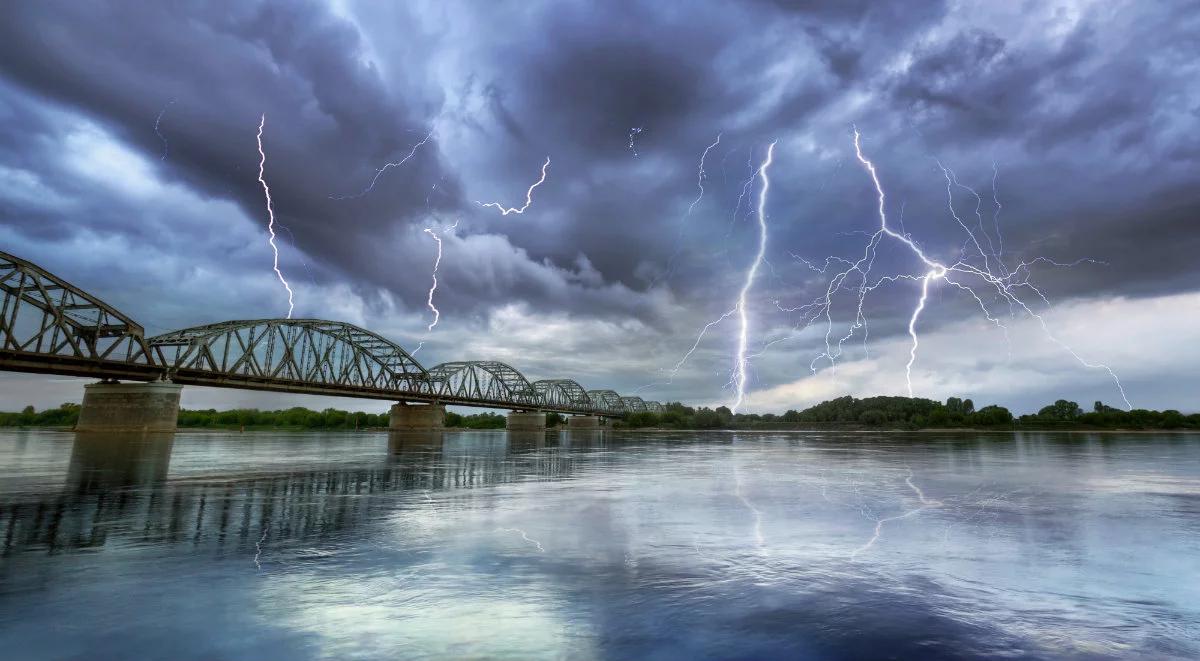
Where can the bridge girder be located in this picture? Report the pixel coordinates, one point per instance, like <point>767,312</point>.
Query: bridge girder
<point>607,401</point>
<point>634,404</point>
<point>483,379</point>
<point>562,392</point>
<point>49,325</point>
<point>309,352</point>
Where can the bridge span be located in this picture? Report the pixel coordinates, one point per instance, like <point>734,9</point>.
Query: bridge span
<point>49,326</point>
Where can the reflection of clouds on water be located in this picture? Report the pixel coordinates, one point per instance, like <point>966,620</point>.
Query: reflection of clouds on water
<point>1159,485</point>
<point>405,615</point>
<point>631,546</point>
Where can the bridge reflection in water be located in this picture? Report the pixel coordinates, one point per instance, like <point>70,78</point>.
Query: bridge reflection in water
<point>119,490</point>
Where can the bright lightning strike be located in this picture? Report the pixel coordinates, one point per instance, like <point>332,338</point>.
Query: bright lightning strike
<point>271,215</point>
<point>528,195</point>
<point>739,370</point>
<point>437,262</point>
<point>1003,284</point>
<point>998,283</point>
<point>701,175</point>
<point>387,166</point>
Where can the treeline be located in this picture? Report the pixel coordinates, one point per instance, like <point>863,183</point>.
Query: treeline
<point>63,416</point>
<point>297,417</point>
<point>1067,413</point>
<point>913,413</point>
<point>843,413</point>
<point>302,418</point>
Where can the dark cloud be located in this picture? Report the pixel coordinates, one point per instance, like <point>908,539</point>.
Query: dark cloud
<point>1087,115</point>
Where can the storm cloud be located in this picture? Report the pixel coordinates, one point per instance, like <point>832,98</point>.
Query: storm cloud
<point>128,164</point>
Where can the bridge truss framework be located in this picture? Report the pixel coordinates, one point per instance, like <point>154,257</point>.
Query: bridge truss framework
<point>50,326</point>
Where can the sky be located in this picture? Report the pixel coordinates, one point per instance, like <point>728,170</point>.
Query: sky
<point>1059,135</point>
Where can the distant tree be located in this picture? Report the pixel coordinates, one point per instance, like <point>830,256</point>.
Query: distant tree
<point>990,416</point>
<point>1062,409</point>
<point>725,415</point>
<point>706,418</point>
<point>679,408</point>
<point>675,419</point>
<point>872,417</point>
<point>1172,419</point>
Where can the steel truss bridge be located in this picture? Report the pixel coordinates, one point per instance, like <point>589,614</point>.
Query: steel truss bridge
<point>49,326</point>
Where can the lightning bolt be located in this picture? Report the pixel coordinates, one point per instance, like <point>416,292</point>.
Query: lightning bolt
<point>528,195</point>
<point>999,282</point>
<point>524,537</point>
<point>739,371</point>
<point>632,134</point>
<point>679,365</point>
<point>271,214</point>
<point>700,177</point>
<point>436,314</point>
<point>162,137</point>
<point>737,492</point>
<point>258,545</point>
<point>926,503</point>
<point>387,166</point>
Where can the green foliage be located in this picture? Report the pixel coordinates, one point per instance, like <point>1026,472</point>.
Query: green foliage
<point>475,421</point>
<point>293,418</point>
<point>875,411</point>
<point>642,419</point>
<point>1063,412</point>
<point>990,416</point>
<point>871,412</point>
<point>64,416</point>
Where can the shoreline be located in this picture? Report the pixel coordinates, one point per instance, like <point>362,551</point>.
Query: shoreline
<point>667,430</point>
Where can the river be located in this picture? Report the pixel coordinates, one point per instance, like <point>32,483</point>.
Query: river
<point>681,546</point>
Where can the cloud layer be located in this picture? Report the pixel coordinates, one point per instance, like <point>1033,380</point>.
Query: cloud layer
<point>128,164</point>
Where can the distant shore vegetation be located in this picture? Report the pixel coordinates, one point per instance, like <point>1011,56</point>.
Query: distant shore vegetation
<point>912,413</point>
<point>850,413</point>
<point>296,417</point>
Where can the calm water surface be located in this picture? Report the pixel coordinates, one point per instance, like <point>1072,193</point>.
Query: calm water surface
<point>491,545</point>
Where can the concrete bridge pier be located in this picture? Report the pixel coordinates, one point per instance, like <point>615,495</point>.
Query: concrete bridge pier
<point>417,417</point>
<point>109,406</point>
<point>526,421</point>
